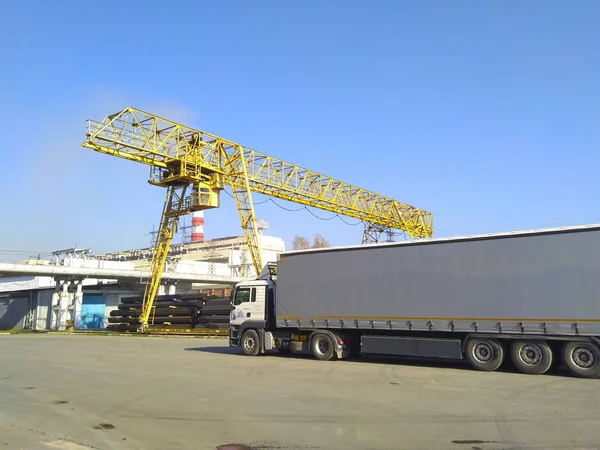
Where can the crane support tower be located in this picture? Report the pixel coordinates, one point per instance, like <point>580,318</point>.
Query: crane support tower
<point>195,166</point>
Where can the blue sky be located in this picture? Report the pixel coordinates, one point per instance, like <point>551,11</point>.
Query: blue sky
<point>485,113</point>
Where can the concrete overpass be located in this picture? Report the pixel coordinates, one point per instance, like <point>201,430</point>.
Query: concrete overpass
<point>7,269</point>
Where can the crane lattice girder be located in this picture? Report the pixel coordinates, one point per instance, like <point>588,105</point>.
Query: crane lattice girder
<point>139,136</point>
<point>277,178</point>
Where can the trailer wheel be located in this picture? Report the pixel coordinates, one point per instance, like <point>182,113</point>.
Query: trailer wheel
<point>250,343</point>
<point>484,354</point>
<point>582,359</point>
<point>531,357</point>
<point>323,347</point>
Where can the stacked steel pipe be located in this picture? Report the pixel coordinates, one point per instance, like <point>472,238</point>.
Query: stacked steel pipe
<point>179,311</point>
<point>215,313</point>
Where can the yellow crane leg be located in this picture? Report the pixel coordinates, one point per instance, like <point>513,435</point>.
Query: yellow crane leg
<point>240,185</point>
<point>175,206</point>
<point>245,207</point>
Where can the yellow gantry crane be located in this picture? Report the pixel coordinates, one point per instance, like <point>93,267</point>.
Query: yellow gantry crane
<point>195,167</point>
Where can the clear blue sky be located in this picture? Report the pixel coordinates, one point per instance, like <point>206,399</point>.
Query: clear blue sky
<point>485,113</point>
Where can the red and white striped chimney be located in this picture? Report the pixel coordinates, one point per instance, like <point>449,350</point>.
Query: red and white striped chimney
<point>198,226</point>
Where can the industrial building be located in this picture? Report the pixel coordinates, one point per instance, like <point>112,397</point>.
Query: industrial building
<point>224,256</point>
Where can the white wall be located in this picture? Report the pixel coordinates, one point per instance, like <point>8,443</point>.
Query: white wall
<point>269,256</point>
<point>272,243</point>
<point>43,312</point>
<point>203,268</point>
<point>25,283</point>
<point>270,247</point>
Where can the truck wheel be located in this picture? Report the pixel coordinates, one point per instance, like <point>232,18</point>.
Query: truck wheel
<point>531,357</point>
<point>582,359</point>
<point>323,347</point>
<point>250,343</point>
<point>484,354</point>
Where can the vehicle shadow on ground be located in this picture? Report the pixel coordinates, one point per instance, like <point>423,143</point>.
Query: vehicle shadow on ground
<point>456,364</point>
<point>395,360</point>
<point>217,350</point>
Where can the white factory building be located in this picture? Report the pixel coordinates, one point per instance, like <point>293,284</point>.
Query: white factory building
<point>54,302</point>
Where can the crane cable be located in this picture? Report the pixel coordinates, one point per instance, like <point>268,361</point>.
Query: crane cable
<point>304,208</point>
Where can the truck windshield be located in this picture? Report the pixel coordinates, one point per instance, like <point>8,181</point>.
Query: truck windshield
<point>241,295</point>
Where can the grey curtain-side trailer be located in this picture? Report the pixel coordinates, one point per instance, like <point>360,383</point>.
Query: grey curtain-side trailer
<point>532,297</point>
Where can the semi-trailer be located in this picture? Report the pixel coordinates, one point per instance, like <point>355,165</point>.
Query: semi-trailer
<point>532,297</point>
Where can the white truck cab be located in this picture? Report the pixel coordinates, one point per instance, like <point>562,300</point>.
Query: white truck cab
<point>253,306</point>
<point>248,301</point>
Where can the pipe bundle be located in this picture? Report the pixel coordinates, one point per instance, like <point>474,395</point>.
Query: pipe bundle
<point>178,311</point>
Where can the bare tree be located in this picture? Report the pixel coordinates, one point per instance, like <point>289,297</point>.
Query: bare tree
<point>320,242</point>
<point>300,243</point>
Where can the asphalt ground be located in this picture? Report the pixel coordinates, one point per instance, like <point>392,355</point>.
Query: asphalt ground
<point>75,392</point>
